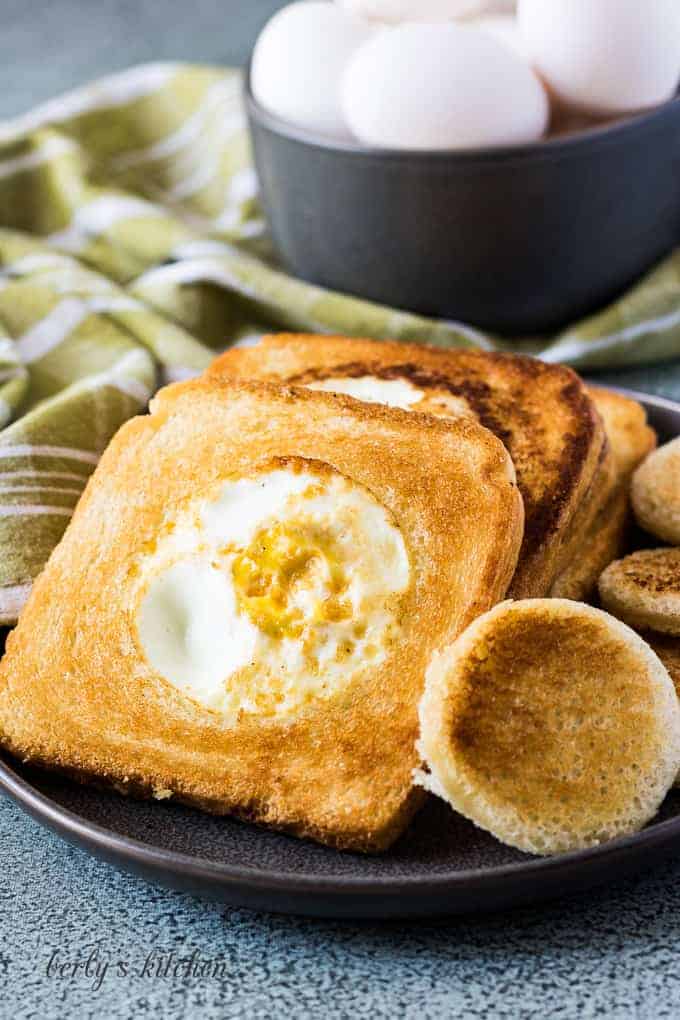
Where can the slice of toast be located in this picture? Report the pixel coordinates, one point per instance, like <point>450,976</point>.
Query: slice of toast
<point>602,542</point>
<point>242,609</point>
<point>630,435</point>
<point>542,413</point>
<point>600,536</point>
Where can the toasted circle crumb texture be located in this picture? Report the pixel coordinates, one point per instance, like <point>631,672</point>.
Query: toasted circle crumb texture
<point>550,724</point>
<point>655,493</point>
<point>644,590</point>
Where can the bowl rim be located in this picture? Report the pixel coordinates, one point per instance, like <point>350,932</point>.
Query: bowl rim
<point>589,139</point>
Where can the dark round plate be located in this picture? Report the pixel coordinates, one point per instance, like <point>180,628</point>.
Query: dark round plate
<point>442,865</point>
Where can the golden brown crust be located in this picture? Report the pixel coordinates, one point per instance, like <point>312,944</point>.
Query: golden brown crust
<point>644,589</point>
<point>601,525</point>
<point>629,433</point>
<point>542,413</point>
<point>76,694</point>
<point>571,542</point>
<point>602,543</point>
<point>552,725</point>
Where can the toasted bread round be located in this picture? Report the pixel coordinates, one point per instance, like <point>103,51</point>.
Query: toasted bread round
<point>655,493</point>
<point>644,589</point>
<point>550,724</point>
<point>667,648</point>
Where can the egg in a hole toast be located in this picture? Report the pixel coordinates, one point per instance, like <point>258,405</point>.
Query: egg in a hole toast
<point>241,612</point>
<point>542,413</point>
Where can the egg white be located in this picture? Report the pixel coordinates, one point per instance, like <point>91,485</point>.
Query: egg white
<point>372,390</point>
<point>324,565</point>
<point>399,392</point>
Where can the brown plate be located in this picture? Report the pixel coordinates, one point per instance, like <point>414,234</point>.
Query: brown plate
<point>442,865</point>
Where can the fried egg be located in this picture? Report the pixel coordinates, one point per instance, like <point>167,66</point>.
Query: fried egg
<point>272,592</point>
<point>392,392</point>
<point>396,392</point>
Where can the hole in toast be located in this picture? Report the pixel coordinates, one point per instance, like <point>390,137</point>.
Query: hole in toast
<point>272,593</point>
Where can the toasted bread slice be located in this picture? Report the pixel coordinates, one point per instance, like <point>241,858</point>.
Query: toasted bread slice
<point>602,525</point>
<point>629,433</point>
<point>604,540</point>
<point>584,520</point>
<point>552,725</point>
<point>242,609</point>
<point>644,590</point>
<point>542,414</point>
<point>656,493</point>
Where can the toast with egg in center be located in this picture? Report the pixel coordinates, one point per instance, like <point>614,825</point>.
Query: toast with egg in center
<point>241,612</point>
<point>542,413</point>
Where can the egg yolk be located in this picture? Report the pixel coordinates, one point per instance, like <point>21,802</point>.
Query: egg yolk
<point>273,593</point>
<point>291,576</point>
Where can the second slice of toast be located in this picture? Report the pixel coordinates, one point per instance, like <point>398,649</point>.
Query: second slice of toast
<point>542,413</point>
<point>600,533</point>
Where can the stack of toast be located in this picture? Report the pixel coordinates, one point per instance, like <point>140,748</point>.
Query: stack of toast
<point>242,611</point>
<point>574,447</point>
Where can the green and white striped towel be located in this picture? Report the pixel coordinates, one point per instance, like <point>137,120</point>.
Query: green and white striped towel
<point>132,248</point>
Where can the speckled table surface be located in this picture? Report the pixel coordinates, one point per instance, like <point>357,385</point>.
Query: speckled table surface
<point>612,953</point>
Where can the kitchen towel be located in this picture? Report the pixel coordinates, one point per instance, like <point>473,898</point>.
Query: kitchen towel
<point>132,249</point>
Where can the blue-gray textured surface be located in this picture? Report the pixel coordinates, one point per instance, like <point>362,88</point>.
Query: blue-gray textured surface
<point>612,953</point>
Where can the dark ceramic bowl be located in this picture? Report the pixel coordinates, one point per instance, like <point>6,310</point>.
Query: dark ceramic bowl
<point>515,240</point>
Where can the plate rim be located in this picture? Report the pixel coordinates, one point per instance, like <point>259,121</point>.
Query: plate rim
<point>131,853</point>
<point>83,831</point>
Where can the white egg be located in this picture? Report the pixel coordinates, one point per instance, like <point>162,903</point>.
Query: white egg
<point>505,28</point>
<point>393,11</point>
<point>604,56</point>
<point>441,87</point>
<point>299,60</point>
